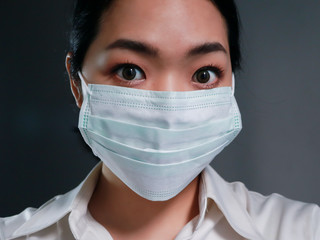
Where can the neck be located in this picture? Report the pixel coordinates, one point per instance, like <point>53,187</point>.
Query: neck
<point>124,213</point>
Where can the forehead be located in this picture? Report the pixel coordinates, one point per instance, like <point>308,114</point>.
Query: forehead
<point>167,24</point>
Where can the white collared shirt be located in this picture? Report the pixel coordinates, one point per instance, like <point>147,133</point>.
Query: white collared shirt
<point>227,211</point>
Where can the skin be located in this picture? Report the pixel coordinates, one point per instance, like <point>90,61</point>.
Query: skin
<point>172,28</point>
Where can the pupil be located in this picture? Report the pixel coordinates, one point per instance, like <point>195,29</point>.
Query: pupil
<point>203,76</point>
<point>129,73</point>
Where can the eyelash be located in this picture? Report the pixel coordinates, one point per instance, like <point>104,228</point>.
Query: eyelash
<point>216,69</point>
<point>126,64</point>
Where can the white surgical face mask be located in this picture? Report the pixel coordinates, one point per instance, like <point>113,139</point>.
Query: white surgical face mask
<point>157,142</point>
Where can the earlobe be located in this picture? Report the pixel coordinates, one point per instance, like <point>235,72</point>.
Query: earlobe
<point>75,84</point>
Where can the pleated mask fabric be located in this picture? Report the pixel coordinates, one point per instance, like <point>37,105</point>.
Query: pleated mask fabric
<point>157,142</point>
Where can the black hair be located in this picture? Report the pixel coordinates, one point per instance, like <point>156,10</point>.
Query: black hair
<point>87,17</point>
<point>229,11</point>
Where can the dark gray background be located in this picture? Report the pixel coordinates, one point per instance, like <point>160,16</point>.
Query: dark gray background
<point>277,91</point>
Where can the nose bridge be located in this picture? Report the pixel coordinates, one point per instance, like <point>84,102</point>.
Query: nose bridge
<point>170,81</point>
<point>165,82</point>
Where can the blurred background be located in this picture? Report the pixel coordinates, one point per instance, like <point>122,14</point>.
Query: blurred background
<point>278,92</point>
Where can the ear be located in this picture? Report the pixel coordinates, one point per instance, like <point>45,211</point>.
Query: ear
<point>75,84</point>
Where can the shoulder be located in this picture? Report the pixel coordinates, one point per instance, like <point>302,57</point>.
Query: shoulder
<point>281,215</point>
<point>274,216</point>
<point>33,220</point>
<point>50,221</point>
<point>278,217</point>
<point>9,224</point>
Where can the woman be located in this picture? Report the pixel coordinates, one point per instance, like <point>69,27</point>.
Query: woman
<point>154,81</point>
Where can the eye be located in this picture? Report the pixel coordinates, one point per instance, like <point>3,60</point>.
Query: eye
<point>129,72</point>
<point>206,75</point>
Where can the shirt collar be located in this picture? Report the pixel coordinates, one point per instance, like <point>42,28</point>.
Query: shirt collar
<point>79,209</point>
<point>231,199</point>
<point>231,203</point>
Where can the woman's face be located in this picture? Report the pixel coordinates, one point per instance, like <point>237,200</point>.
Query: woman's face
<point>160,45</point>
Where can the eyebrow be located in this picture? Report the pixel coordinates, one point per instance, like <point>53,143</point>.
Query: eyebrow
<point>135,46</point>
<point>146,49</point>
<point>205,48</point>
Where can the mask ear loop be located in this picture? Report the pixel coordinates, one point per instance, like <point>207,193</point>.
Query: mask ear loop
<point>85,89</point>
<point>233,84</point>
